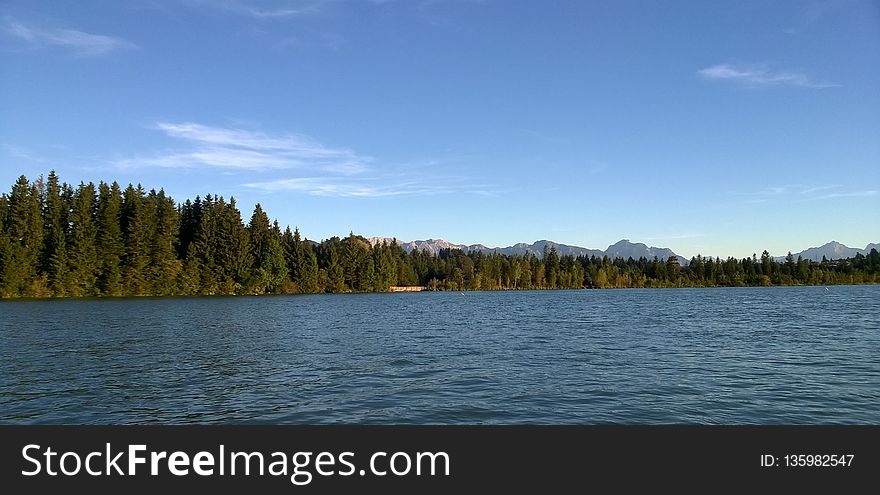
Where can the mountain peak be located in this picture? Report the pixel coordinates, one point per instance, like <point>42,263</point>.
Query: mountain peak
<point>622,249</point>
<point>626,249</point>
<point>831,250</point>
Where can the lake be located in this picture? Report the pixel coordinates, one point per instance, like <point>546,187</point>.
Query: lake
<point>726,355</point>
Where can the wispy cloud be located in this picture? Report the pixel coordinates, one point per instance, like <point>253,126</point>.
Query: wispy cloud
<point>298,163</point>
<point>760,76</point>
<point>244,149</point>
<point>813,190</point>
<point>800,193</point>
<point>267,9</point>
<point>853,194</point>
<point>373,187</point>
<point>78,42</point>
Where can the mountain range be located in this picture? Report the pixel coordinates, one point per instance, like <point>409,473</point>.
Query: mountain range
<point>620,249</point>
<point>832,251</point>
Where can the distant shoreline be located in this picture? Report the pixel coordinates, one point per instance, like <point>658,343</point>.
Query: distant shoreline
<point>220,296</point>
<point>58,240</point>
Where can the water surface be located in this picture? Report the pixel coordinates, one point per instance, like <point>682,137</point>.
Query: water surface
<point>727,355</point>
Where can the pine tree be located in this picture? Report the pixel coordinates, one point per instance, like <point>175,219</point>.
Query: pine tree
<point>110,244</point>
<point>272,262</point>
<point>53,261</point>
<point>82,257</point>
<point>135,232</point>
<point>24,230</point>
<point>163,265</point>
<point>354,257</point>
<point>308,268</point>
<point>288,244</point>
<point>201,254</point>
<point>259,233</point>
<point>190,218</point>
<point>5,248</point>
<point>334,265</point>
<point>551,263</point>
<point>301,262</point>
<point>385,267</point>
<point>231,248</point>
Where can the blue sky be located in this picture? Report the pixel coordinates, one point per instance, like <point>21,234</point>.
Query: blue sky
<point>721,128</point>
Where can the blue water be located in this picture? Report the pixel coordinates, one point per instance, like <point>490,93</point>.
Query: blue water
<point>727,355</point>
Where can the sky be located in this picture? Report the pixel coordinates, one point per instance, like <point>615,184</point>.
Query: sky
<point>719,128</point>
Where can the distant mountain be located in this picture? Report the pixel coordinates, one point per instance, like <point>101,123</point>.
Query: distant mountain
<point>432,246</point>
<point>626,249</point>
<point>623,249</point>
<point>537,248</point>
<point>832,251</point>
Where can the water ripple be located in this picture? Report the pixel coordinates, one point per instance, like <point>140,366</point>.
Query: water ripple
<point>744,356</point>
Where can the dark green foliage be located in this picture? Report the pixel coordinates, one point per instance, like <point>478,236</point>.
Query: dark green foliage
<point>5,247</point>
<point>82,256</point>
<point>269,271</point>
<point>59,241</point>
<point>233,258</point>
<point>136,234</point>
<point>24,241</point>
<point>109,243</point>
<point>164,267</point>
<point>55,224</point>
<point>307,266</point>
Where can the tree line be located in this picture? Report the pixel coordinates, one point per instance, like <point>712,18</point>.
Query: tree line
<point>57,240</point>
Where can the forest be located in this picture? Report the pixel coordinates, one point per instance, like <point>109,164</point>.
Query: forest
<point>57,240</point>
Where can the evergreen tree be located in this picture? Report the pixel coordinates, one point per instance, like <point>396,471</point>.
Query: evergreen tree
<point>24,231</point>
<point>5,248</point>
<point>766,263</point>
<point>308,267</point>
<point>272,263</point>
<point>55,220</point>
<point>82,256</point>
<point>233,249</point>
<point>260,236</point>
<point>353,258</point>
<point>201,255</point>
<point>109,243</point>
<point>136,234</point>
<point>163,265</point>
<point>551,262</point>
<point>190,218</point>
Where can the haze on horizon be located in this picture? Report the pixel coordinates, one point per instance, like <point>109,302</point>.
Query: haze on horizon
<point>705,128</point>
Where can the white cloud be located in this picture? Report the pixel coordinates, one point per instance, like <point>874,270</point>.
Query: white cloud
<point>760,75</point>
<point>371,187</point>
<point>322,186</point>
<point>79,42</point>
<point>811,190</point>
<point>800,193</point>
<point>854,194</point>
<point>267,9</point>
<point>297,163</point>
<point>243,149</point>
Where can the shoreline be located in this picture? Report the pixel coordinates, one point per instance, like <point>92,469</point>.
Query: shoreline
<point>532,289</point>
